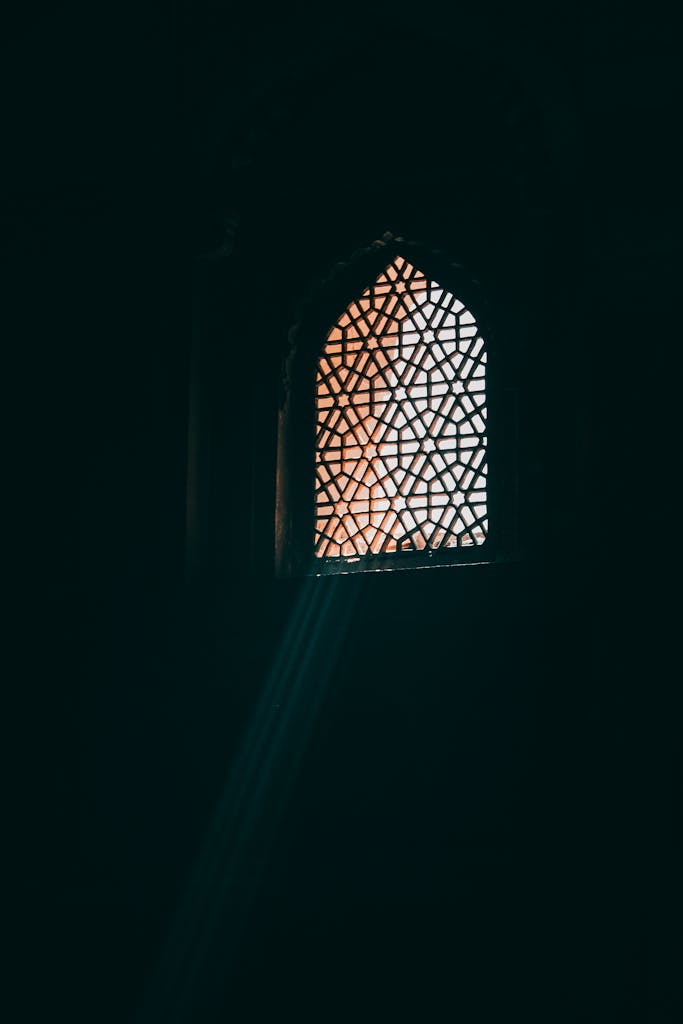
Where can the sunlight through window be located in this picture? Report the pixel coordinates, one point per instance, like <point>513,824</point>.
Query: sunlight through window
<point>401,423</point>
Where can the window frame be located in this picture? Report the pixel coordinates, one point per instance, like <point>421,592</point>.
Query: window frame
<point>295,499</point>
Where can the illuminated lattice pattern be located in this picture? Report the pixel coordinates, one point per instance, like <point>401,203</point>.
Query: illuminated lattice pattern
<point>401,432</point>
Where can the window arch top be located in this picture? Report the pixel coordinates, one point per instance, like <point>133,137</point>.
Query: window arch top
<point>401,442</point>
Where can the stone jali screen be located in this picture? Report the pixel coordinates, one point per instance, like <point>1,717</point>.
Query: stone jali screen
<point>401,423</point>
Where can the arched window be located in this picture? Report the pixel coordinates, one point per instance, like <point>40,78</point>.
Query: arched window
<point>401,423</point>
<point>390,432</point>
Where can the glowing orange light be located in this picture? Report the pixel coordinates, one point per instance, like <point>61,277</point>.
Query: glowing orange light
<point>401,431</point>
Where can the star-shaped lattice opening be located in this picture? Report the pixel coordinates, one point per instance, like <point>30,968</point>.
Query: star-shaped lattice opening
<point>401,422</point>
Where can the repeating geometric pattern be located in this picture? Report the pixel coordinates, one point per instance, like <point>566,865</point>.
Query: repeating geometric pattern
<point>401,422</point>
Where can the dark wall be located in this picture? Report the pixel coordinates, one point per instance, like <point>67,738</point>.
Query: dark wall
<point>453,792</point>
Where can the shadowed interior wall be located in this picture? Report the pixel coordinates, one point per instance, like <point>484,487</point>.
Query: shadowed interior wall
<point>465,796</point>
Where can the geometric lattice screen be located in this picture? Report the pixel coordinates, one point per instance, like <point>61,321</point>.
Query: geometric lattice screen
<point>401,423</point>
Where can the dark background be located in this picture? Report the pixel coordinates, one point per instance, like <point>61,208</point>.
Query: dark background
<point>448,794</point>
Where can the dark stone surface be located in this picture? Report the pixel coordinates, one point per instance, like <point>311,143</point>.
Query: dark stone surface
<point>466,800</point>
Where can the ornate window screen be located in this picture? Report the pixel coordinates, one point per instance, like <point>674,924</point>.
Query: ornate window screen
<point>401,423</point>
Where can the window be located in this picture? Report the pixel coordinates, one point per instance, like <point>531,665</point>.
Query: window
<point>395,440</point>
<point>401,423</point>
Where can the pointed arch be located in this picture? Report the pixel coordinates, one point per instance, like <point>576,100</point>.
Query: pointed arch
<point>401,435</point>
